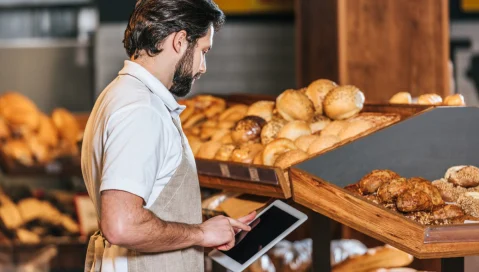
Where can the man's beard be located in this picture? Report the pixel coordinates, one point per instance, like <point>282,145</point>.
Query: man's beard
<point>183,77</point>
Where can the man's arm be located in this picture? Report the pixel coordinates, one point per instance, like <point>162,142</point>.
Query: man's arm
<point>125,222</point>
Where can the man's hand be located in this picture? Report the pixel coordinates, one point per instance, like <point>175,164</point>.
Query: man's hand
<point>220,232</point>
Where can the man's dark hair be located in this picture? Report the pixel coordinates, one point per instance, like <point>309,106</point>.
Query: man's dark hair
<point>153,20</point>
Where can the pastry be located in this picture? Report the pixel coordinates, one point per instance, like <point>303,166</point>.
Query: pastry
<point>318,123</point>
<point>372,181</point>
<point>20,113</point>
<point>195,144</point>
<point>322,143</point>
<point>354,128</point>
<point>427,187</point>
<point>294,105</point>
<point>195,120</point>
<point>188,111</point>
<point>390,190</point>
<point>247,130</point>
<point>216,107</point>
<point>226,125</point>
<point>317,91</point>
<point>293,130</point>
<point>66,125</point>
<point>343,102</point>
<point>47,132</point>
<point>401,98</point>
<point>225,151</point>
<point>20,151</point>
<point>412,200</point>
<point>208,150</point>
<point>275,148</point>
<point>454,100</point>
<point>448,191</point>
<point>207,133</point>
<point>39,150</point>
<point>429,99</point>
<point>271,129</point>
<point>290,158</point>
<point>234,113</point>
<point>258,159</point>
<point>219,134</point>
<point>263,109</point>
<point>447,212</point>
<point>469,202</point>
<point>464,176</point>
<point>246,153</point>
<point>305,141</point>
<point>334,128</point>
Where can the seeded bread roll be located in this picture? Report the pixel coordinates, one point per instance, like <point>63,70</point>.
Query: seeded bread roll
<point>318,123</point>
<point>317,91</point>
<point>343,102</point>
<point>464,176</point>
<point>271,129</point>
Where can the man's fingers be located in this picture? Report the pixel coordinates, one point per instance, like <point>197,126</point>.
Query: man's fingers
<point>248,218</point>
<point>239,225</point>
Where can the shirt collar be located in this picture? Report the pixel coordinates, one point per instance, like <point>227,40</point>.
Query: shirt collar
<point>156,87</point>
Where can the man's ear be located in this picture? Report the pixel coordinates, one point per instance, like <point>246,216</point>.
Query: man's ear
<point>180,43</point>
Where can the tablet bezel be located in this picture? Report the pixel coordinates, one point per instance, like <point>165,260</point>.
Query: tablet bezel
<point>234,266</point>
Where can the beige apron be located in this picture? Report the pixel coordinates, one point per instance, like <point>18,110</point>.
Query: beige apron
<point>179,201</point>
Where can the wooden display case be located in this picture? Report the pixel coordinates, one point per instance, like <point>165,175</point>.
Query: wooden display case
<point>426,145</point>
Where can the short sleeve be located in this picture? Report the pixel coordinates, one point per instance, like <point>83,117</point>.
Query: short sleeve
<point>133,151</point>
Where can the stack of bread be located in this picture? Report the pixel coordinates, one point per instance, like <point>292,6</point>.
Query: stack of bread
<point>452,200</point>
<point>299,124</point>
<point>428,99</point>
<point>31,137</point>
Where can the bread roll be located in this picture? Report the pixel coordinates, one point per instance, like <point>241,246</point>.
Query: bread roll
<point>225,151</point>
<point>19,151</point>
<point>66,124</point>
<point>188,111</point>
<point>20,113</point>
<point>354,128</point>
<point>454,100</point>
<point>380,257</point>
<point>318,123</point>
<point>39,150</point>
<point>219,134</point>
<point>207,132</point>
<point>322,143</point>
<point>216,107</point>
<point>295,129</point>
<point>317,91</point>
<point>294,105</point>
<point>305,141</point>
<point>194,121</point>
<point>464,176</point>
<point>289,158</point>
<point>275,148</point>
<point>247,130</point>
<point>334,128</point>
<point>234,113</point>
<point>429,99</point>
<point>401,98</point>
<point>263,109</point>
<point>195,144</point>
<point>226,124</point>
<point>47,132</point>
<point>208,150</point>
<point>271,129</point>
<point>258,159</point>
<point>246,153</point>
<point>227,139</point>
<point>343,102</point>
<point>210,123</point>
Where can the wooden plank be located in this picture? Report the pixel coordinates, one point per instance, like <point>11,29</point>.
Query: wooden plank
<point>243,187</point>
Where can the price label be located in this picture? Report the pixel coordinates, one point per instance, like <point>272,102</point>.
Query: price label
<point>225,170</point>
<point>253,173</point>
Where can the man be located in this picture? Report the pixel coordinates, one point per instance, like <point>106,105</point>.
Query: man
<point>138,168</point>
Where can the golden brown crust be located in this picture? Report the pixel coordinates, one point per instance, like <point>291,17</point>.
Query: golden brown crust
<point>414,200</point>
<point>429,99</point>
<point>258,159</point>
<point>401,98</point>
<point>464,176</point>
<point>248,130</point>
<point>234,113</point>
<point>389,191</point>
<point>188,111</point>
<point>194,121</point>
<point>19,112</point>
<point>354,128</point>
<point>225,151</point>
<point>426,186</point>
<point>208,150</point>
<point>372,181</point>
<point>19,150</point>
<point>318,123</point>
<point>334,128</point>
<point>294,129</point>
<point>66,125</point>
<point>304,142</point>
<point>4,130</point>
<point>271,129</point>
<point>275,148</point>
<point>290,158</point>
<point>47,132</point>
<point>195,144</point>
<point>246,153</point>
<point>294,105</point>
<point>448,191</point>
<point>263,109</point>
<point>343,102</point>
<point>322,143</point>
<point>317,91</point>
<point>456,100</point>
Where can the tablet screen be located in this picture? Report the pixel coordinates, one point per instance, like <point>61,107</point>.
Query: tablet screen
<point>264,230</point>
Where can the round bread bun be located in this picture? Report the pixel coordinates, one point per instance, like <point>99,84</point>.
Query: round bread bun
<point>216,107</point>
<point>464,176</point>
<point>290,158</point>
<point>343,102</point>
<point>263,109</point>
<point>429,99</point>
<point>246,153</point>
<point>271,129</point>
<point>258,159</point>
<point>322,143</point>
<point>47,132</point>
<point>226,139</point>
<point>208,150</point>
<point>195,144</point>
<point>20,113</point>
<point>455,100</point>
<point>4,130</point>
<point>219,134</point>
<point>334,128</point>
<point>188,111</point>
<point>194,121</point>
<point>294,105</point>
<point>401,98</point>
<point>275,148</point>
<point>318,123</point>
<point>66,125</point>
<point>19,151</point>
<point>226,124</point>
<point>305,141</point>
<point>354,128</point>
<point>317,91</point>
<point>234,113</point>
<point>247,130</point>
<point>225,151</point>
<point>293,130</point>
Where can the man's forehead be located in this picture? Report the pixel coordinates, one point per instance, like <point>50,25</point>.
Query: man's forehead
<point>208,39</point>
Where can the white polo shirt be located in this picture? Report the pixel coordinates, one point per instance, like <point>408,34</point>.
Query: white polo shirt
<point>131,144</point>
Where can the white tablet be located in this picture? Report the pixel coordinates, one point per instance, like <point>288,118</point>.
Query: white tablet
<point>270,227</point>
